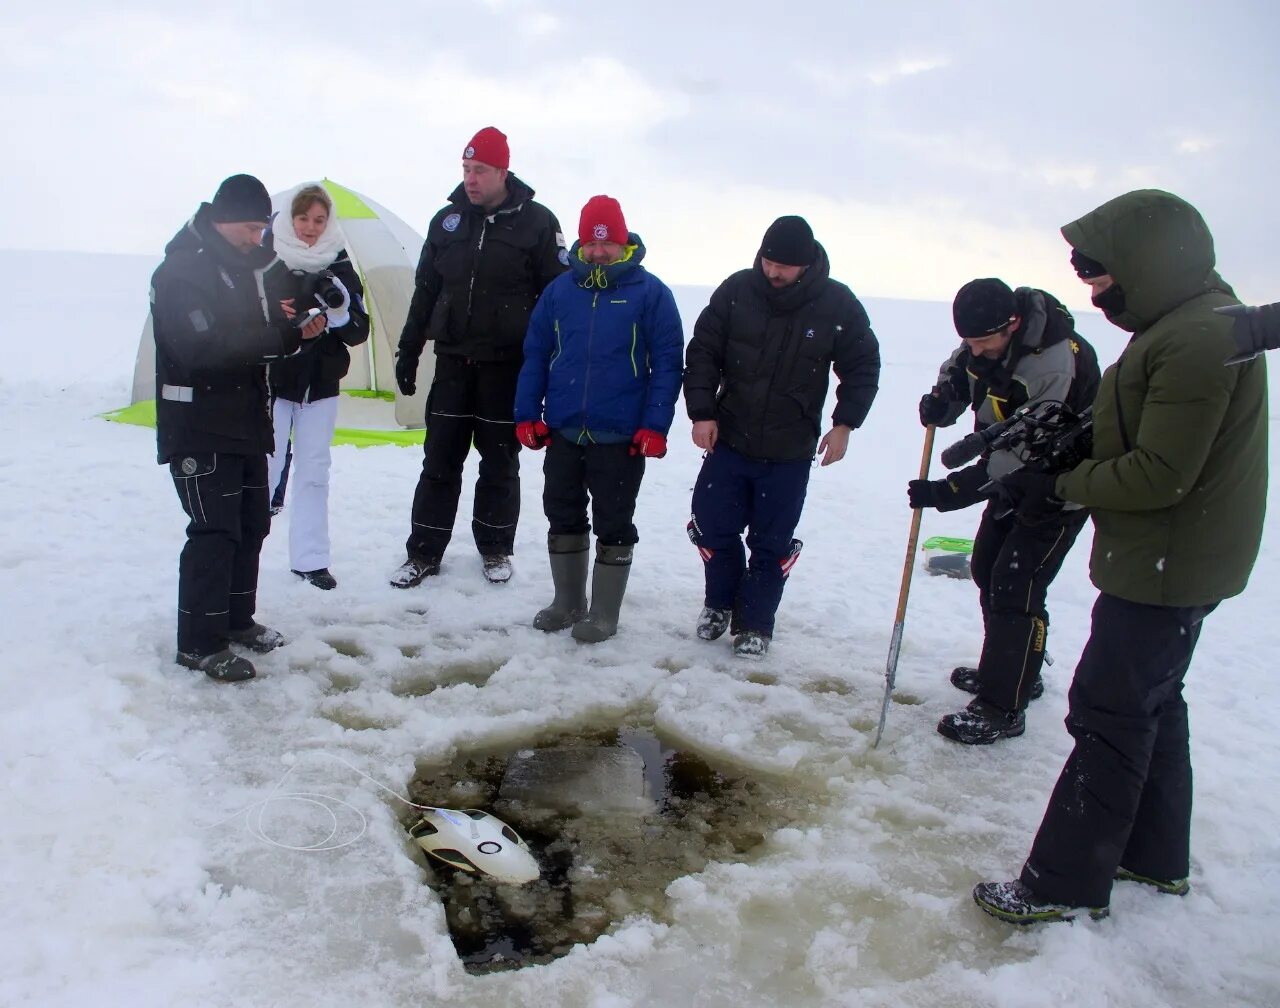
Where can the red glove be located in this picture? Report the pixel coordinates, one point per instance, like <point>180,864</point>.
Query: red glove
<point>649,443</point>
<point>533,434</point>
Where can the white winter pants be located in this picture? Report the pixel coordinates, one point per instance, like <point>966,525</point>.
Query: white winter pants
<point>312,425</point>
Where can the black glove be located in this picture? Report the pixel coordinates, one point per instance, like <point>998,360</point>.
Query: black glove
<point>406,372</point>
<point>934,407</point>
<point>940,494</point>
<point>1031,494</point>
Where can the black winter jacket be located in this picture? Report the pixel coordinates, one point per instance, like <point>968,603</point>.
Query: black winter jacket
<point>217,322</point>
<point>316,374</point>
<point>479,275</point>
<point>760,361</point>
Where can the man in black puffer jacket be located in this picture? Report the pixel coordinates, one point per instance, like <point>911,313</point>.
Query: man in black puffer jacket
<point>488,256</point>
<point>217,322</point>
<point>756,376</point>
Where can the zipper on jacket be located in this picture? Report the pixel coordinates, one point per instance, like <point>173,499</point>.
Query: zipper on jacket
<point>586,379</point>
<point>475,265</point>
<point>773,374</point>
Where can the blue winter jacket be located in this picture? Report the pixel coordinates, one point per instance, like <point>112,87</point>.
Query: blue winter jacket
<point>604,351</point>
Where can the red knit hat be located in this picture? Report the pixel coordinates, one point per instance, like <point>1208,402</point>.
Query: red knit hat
<point>602,220</point>
<point>490,147</point>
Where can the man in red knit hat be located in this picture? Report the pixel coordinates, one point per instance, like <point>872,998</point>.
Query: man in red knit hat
<point>618,345</point>
<point>488,255</point>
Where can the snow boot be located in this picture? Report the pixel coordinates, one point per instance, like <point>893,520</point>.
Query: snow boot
<point>966,678</point>
<point>414,570</point>
<point>221,666</point>
<point>608,586</point>
<point>1170,887</point>
<point>981,724</point>
<point>321,578</point>
<point>497,568</point>
<point>257,637</point>
<point>568,557</point>
<point>712,623</point>
<point>1015,903</point>
<point>751,644</point>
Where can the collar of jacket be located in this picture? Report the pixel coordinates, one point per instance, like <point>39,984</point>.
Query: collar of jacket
<point>786,300</point>
<point>199,234</point>
<point>518,194</point>
<point>591,277</point>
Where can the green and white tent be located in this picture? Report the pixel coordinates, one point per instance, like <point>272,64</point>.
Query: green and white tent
<point>384,250</point>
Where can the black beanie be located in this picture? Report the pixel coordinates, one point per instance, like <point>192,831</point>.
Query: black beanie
<point>982,307</point>
<point>789,242</point>
<point>1086,268</point>
<point>241,198</point>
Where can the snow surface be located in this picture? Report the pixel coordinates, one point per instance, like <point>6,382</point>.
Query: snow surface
<point>131,877</point>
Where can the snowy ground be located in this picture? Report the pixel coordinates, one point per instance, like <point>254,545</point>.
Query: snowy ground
<point>130,879</point>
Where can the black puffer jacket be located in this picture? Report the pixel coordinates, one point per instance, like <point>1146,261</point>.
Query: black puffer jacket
<point>316,374</point>
<point>760,361</point>
<point>217,322</point>
<point>479,275</point>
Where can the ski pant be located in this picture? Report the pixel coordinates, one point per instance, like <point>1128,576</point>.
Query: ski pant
<point>607,473</point>
<point>1013,564</point>
<point>1124,796</point>
<point>312,425</point>
<point>225,498</point>
<point>765,498</point>
<point>469,401</point>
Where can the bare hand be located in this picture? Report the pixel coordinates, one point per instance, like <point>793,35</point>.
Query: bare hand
<point>287,307</point>
<point>315,327</point>
<point>833,446</point>
<point>705,434</point>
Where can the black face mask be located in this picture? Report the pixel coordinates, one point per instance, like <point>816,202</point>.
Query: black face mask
<point>1110,302</point>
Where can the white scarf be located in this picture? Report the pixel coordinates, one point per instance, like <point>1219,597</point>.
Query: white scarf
<point>297,254</point>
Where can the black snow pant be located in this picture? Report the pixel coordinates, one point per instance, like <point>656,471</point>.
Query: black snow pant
<point>469,401</point>
<point>733,493</point>
<point>1013,565</point>
<point>225,498</point>
<point>608,473</point>
<point>1124,796</point>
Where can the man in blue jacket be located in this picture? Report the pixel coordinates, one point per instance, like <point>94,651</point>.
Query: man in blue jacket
<point>602,367</point>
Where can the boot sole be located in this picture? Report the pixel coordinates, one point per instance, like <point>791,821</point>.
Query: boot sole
<point>1180,888</point>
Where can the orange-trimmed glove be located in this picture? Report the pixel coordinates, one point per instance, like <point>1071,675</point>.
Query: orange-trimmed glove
<point>648,443</point>
<point>533,434</point>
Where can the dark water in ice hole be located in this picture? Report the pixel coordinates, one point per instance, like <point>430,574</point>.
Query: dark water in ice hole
<point>597,867</point>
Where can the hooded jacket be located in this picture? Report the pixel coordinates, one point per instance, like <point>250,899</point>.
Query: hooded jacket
<point>479,275</point>
<point>761,358</point>
<point>217,322</point>
<point>604,350</point>
<point>1177,479</point>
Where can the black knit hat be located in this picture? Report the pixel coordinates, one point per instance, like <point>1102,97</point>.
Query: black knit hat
<point>1086,268</point>
<point>241,198</point>
<point>982,307</point>
<point>789,242</point>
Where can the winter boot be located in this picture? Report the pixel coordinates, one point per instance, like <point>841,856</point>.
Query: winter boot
<point>1014,903</point>
<point>608,585</point>
<point>568,557</point>
<point>221,666</point>
<point>750,644</point>
<point>981,724</point>
<point>414,570</point>
<point>257,637</point>
<point>1170,887</point>
<point>966,678</point>
<point>321,578</point>
<point>712,623</point>
<point>497,568</point>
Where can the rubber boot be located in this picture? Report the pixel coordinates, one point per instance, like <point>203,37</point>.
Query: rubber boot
<point>568,556</point>
<point>608,585</point>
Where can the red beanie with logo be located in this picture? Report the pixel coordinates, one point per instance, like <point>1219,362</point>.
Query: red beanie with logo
<point>490,147</point>
<point>602,220</point>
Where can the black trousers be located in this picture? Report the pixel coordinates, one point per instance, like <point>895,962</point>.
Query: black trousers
<point>1124,796</point>
<point>607,473</point>
<point>1013,565</point>
<point>225,498</point>
<point>469,402</point>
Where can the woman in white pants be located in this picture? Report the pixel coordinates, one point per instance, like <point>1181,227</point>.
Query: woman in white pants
<point>304,387</point>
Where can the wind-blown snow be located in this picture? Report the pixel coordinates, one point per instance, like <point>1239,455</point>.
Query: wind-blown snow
<point>129,878</point>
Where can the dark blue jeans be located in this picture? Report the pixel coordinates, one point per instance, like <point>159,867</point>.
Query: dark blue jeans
<point>735,493</point>
<point>1124,796</point>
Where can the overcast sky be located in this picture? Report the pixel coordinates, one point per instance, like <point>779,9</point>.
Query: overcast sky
<point>927,143</point>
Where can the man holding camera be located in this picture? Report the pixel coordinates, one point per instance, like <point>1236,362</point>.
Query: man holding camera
<point>488,256</point>
<point>217,321</point>
<point>1177,486</point>
<point>1019,349</point>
